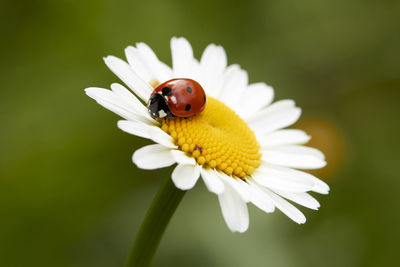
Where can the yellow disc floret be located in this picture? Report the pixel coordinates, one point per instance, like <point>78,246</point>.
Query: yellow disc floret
<point>217,138</point>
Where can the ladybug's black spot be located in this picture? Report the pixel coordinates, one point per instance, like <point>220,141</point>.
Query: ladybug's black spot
<point>188,107</point>
<point>189,89</point>
<point>166,91</point>
<point>205,99</point>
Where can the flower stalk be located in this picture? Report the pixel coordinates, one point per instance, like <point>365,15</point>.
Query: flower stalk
<point>153,227</point>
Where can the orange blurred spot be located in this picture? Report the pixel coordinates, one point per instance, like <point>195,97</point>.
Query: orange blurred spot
<point>329,138</point>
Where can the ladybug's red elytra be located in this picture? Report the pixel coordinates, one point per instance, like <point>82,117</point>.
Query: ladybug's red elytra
<point>177,98</point>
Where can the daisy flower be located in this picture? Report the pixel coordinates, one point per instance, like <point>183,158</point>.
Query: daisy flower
<point>237,144</point>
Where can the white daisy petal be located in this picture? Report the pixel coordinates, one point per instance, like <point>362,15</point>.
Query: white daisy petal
<point>213,182</point>
<point>132,102</point>
<point>276,116</point>
<point>137,63</point>
<point>181,158</point>
<point>237,184</point>
<point>283,137</point>
<point>113,102</point>
<point>255,97</point>
<point>294,156</point>
<point>234,210</point>
<point>185,176</point>
<point>153,157</point>
<point>281,105</point>
<point>303,199</point>
<point>183,62</point>
<point>304,150</point>
<point>120,111</point>
<point>212,66</point>
<point>319,185</point>
<point>146,64</point>
<point>146,131</point>
<point>160,137</point>
<point>161,70</point>
<point>259,198</point>
<point>291,211</point>
<point>279,171</point>
<point>235,83</point>
<point>276,179</point>
<point>122,69</point>
<point>135,128</point>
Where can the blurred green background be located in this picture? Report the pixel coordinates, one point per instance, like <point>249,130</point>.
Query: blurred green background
<point>70,195</point>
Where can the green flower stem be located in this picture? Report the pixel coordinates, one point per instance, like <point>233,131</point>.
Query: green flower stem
<point>157,218</point>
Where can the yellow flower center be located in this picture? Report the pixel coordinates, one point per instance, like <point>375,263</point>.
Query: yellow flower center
<point>217,138</point>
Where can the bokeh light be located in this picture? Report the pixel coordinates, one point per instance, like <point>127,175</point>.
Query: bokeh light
<point>328,138</point>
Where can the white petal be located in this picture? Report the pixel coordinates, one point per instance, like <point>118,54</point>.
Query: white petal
<point>162,71</point>
<point>255,97</point>
<point>291,211</point>
<point>234,210</point>
<point>235,83</point>
<point>181,158</point>
<point>276,116</point>
<point>135,128</point>
<point>319,185</point>
<point>120,111</point>
<point>132,102</point>
<point>113,102</point>
<point>153,157</point>
<point>275,179</point>
<point>185,176</point>
<point>283,137</point>
<point>237,184</point>
<point>160,137</point>
<point>259,198</point>
<point>279,171</point>
<point>183,62</point>
<point>147,131</point>
<point>303,150</point>
<point>129,98</point>
<point>137,63</point>
<point>300,157</point>
<point>122,69</point>
<point>146,64</point>
<point>303,199</point>
<point>281,105</point>
<point>213,182</point>
<point>212,66</point>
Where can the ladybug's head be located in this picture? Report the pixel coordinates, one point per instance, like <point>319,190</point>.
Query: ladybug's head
<point>158,106</point>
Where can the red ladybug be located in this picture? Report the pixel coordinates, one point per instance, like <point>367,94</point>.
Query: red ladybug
<point>177,98</point>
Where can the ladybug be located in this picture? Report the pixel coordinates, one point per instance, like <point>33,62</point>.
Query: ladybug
<point>177,98</point>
